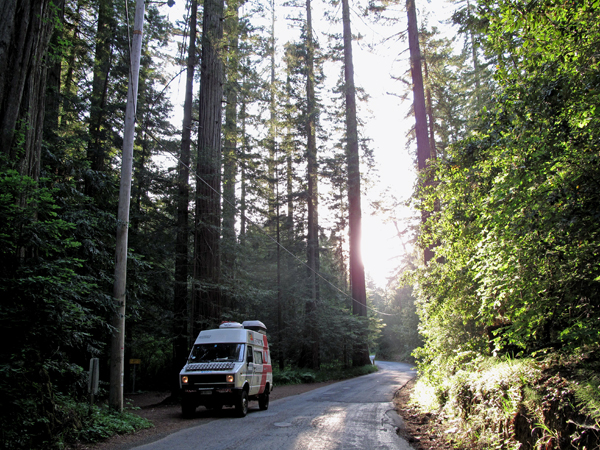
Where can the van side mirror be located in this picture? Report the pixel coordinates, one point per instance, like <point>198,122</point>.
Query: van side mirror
<point>249,359</point>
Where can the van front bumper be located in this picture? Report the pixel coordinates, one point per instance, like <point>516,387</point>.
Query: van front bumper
<point>225,395</point>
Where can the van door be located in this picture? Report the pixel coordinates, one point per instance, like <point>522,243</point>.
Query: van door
<point>250,370</point>
<point>258,371</point>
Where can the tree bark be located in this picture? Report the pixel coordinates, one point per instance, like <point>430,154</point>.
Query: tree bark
<point>182,341</point>
<point>53,97</point>
<point>423,150</point>
<point>208,191</point>
<point>272,137</point>
<point>243,176</point>
<point>429,108</point>
<point>26,27</point>
<point>102,64</point>
<point>360,353</point>
<point>311,352</point>
<point>230,133</point>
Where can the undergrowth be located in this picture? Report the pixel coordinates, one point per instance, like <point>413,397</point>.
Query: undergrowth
<point>101,422</point>
<point>328,372</point>
<point>546,403</point>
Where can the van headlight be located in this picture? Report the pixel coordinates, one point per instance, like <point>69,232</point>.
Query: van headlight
<point>184,379</point>
<point>229,378</point>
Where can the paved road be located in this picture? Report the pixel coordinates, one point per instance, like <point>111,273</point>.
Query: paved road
<point>354,414</point>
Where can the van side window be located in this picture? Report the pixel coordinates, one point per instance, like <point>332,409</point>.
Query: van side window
<point>258,357</point>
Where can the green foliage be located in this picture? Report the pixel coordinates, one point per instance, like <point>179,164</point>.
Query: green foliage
<point>486,396</point>
<point>587,394</point>
<point>502,402</point>
<point>47,310</point>
<point>69,422</point>
<point>517,239</point>
<point>91,424</point>
<point>328,372</point>
<point>517,233</point>
<point>399,335</point>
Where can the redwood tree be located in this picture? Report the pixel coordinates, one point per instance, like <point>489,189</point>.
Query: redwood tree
<point>423,150</point>
<point>360,355</point>
<point>180,343</point>
<point>25,30</point>
<point>310,357</point>
<point>207,264</point>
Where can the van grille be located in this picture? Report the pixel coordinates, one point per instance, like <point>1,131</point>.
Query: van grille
<point>210,366</point>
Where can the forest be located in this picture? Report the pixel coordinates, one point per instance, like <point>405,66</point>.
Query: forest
<point>249,204</point>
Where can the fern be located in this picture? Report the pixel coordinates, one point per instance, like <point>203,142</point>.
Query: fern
<point>588,397</point>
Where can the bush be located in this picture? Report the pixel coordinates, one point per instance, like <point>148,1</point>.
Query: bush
<point>329,372</point>
<point>94,423</point>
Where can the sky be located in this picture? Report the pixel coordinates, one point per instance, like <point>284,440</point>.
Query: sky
<point>385,116</point>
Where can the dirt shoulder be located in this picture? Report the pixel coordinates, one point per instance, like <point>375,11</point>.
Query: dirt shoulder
<point>422,431</point>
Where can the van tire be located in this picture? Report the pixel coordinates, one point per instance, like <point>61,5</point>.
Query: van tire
<point>263,400</point>
<point>241,407</point>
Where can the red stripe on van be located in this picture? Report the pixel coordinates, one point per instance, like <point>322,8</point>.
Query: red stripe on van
<point>266,366</point>
<point>263,381</point>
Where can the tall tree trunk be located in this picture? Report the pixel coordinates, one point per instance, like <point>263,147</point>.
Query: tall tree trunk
<point>311,356</point>
<point>429,108</point>
<point>74,50</point>
<point>476,68</point>
<point>102,64</point>
<point>231,136</point>
<point>274,203</point>
<point>26,27</point>
<point>182,341</point>
<point>360,353</point>
<point>208,190</point>
<point>243,153</point>
<point>289,162</point>
<point>54,72</point>
<point>423,150</point>
<point>272,139</point>
<point>280,350</point>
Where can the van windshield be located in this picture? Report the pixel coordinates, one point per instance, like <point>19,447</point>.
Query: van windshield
<point>217,352</point>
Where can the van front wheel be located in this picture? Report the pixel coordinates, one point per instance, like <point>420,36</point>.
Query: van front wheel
<point>263,401</point>
<point>241,407</point>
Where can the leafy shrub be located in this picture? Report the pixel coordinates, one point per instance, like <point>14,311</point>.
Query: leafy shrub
<point>335,371</point>
<point>100,422</point>
<point>588,395</point>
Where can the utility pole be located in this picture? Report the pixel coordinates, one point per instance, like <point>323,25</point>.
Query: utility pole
<point>117,349</point>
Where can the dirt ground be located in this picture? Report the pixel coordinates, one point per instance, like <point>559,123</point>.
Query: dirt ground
<point>422,431</point>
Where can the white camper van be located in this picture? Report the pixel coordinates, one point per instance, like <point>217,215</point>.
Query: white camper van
<point>228,366</point>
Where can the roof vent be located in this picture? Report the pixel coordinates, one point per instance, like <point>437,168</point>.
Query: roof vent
<point>231,325</point>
